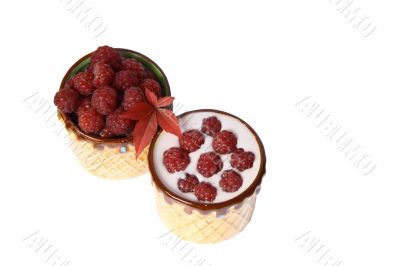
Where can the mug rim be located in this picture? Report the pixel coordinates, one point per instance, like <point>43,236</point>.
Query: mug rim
<point>97,139</point>
<point>203,205</point>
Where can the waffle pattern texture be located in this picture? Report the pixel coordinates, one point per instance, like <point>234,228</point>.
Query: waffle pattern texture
<point>207,227</point>
<point>109,161</point>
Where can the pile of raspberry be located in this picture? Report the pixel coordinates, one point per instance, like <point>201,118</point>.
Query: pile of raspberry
<point>109,86</point>
<point>176,159</point>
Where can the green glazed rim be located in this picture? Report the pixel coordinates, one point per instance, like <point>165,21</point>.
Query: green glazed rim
<point>83,63</point>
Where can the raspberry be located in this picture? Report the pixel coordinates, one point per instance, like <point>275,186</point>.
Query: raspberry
<point>69,84</point>
<point>242,160</point>
<point>103,75</point>
<point>84,105</point>
<point>135,66</point>
<point>231,181</point>
<point>211,126</point>
<point>108,55</point>
<point>125,79</point>
<point>104,100</point>
<point>132,96</point>
<point>175,159</point>
<point>224,142</point>
<point>67,100</point>
<point>191,140</point>
<point>205,192</point>
<point>83,83</point>
<point>209,164</point>
<point>149,74</point>
<point>117,125</point>
<point>90,121</point>
<point>151,85</point>
<point>188,184</point>
<point>106,133</point>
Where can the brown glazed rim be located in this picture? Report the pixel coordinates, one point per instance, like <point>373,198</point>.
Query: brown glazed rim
<point>71,125</point>
<point>211,206</point>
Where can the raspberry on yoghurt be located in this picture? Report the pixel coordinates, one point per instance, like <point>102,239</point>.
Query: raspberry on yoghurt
<point>205,192</point>
<point>188,183</point>
<point>211,126</point>
<point>175,159</point>
<point>209,164</point>
<point>231,181</point>
<point>224,142</point>
<point>191,140</point>
<point>215,170</point>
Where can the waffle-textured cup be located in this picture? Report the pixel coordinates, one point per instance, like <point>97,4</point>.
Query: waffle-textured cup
<point>204,227</point>
<point>206,222</point>
<point>109,158</point>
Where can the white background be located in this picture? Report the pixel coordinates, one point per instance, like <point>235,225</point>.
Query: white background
<point>255,59</point>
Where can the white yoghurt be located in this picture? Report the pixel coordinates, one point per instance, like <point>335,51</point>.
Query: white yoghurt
<point>246,140</point>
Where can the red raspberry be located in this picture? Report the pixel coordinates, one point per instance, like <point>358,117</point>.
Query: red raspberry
<point>135,66</point>
<point>90,121</point>
<point>103,75</point>
<point>125,79</point>
<point>69,84</point>
<point>242,160</point>
<point>132,96</point>
<point>67,100</point>
<point>231,181</point>
<point>106,133</point>
<point>117,125</point>
<point>205,192</point>
<point>104,100</point>
<point>108,55</point>
<point>83,83</point>
<point>149,74</point>
<point>188,184</point>
<point>191,140</point>
<point>86,103</point>
<point>152,86</point>
<point>211,126</point>
<point>224,142</point>
<point>175,159</point>
<point>209,164</point>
